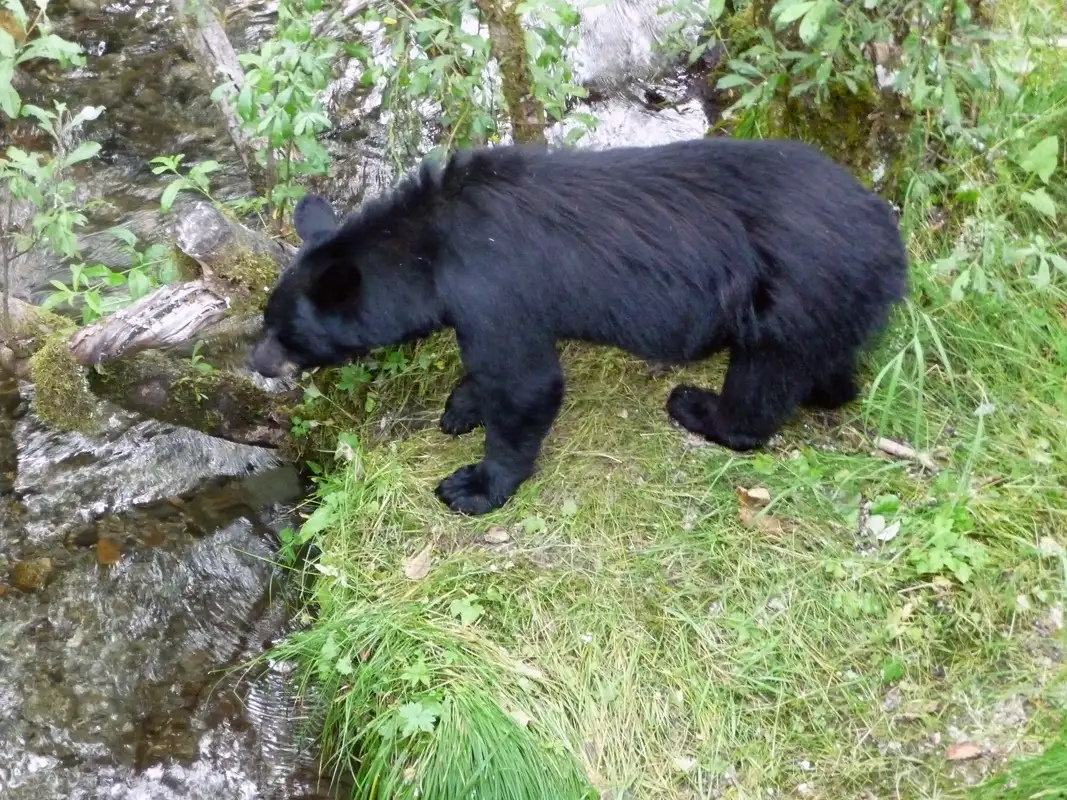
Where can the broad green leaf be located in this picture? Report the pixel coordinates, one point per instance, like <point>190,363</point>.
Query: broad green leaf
<point>167,199</point>
<point>1041,279</point>
<point>1042,158</point>
<point>959,286</point>
<point>952,103</point>
<point>812,22</point>
<point>730,81</point>
<point>1040,201</point>
<point>92,300</point>
<point>791,12</point>
<point>124,235</point>
<point>10,103</point>
<point>139,284</point>
<point>7,44</point>
<point>416,718</point>
<point>466,609</point>
<point>44,118</point>
<point>82,152</point>
<point>53,300</point>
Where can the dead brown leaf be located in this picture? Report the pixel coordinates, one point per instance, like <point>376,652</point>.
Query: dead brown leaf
<point>750,502</point>
<point>962,751</point>
<point>497,535</point>
<point>417,566</point>
<point>108,552</point>
<point>757,497</point>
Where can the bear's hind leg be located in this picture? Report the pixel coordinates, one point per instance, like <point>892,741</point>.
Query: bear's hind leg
<point>519,409</point>
<point>834,387</point>
<point>762,389</point>
<point>463,409</point>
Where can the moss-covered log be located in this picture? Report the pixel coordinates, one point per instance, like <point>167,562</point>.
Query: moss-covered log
<point>233,269</point>
<point>217,403</point>
<point>507,39</point>
<point>173,390</point>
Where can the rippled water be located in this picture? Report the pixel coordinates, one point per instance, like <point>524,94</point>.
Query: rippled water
<point>135,566</point>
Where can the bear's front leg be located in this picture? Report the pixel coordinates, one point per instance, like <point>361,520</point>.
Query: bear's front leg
<point>463,409</point>
<point>519,409</point>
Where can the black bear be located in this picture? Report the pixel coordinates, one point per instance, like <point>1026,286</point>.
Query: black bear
<point>765,248</point>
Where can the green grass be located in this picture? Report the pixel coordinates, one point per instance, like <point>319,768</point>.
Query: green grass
<point>621,626</point>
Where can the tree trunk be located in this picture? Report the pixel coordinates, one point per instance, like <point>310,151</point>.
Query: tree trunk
<point>507,40</point>
<point>211,50</point>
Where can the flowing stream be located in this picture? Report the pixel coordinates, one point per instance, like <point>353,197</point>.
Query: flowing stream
<point>135,567</point>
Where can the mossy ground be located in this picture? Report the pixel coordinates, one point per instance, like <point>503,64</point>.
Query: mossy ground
<point>876,630</point>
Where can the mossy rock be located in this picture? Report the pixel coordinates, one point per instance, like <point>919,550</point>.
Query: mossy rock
<point>63,397</point>
<point>866,132</point>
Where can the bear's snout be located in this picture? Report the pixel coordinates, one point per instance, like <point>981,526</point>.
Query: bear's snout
<point>270,359</point>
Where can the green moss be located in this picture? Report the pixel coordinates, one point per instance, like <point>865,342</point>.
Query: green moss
<point>188,267</point>
<point>253,274</point>
<point>867,132</point>
<point>63,396</point>
<point>217,403</point>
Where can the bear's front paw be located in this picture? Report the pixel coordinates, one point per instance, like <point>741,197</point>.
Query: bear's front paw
<point>466,491</point>
<point>459,419</point>
<point>694,409</point>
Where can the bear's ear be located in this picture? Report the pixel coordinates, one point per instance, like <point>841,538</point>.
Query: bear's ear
<point>312,216</point>
<point>331,278</point>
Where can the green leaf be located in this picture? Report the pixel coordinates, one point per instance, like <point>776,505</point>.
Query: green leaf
<point>167,199</point>
<point>1042,278</point>
<point>791,12</point>
<point>417,673</point>
<point>92,300</point>
<point>1041,202</point>
<point>321,518</point>
<point>812,23</point>
<point>82,152</point>
<point>952,103</point>
<point>206,167</point>
<point>417,718</point>
<point>7,44</point>
<point>10,103</point>
<point>53,300</point>
<point>344,665</point>
<point>959,286</point>
<point>124,235</point>
<point>1042,158</point>
<point>139,284</point>
<point>466,609</point>
<point>730,81</point>
<point>892,671</point>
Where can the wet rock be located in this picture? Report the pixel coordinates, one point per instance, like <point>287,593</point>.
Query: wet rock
<point>32,574</point>
<point>108,552</point>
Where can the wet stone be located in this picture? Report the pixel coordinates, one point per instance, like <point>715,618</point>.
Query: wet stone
<point>31,575</point>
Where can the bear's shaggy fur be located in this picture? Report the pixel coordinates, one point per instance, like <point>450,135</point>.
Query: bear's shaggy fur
<point>765,248</point>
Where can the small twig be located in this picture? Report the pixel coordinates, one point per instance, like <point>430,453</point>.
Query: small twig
<point>903,451</point>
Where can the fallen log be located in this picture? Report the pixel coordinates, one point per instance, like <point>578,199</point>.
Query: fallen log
<point>237,267</point>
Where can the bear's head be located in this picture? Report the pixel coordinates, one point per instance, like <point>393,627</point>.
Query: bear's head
<point>353,286</point>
